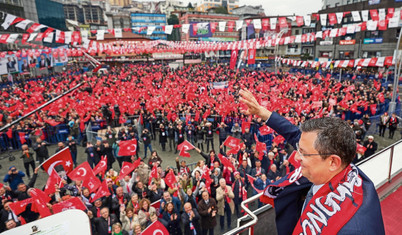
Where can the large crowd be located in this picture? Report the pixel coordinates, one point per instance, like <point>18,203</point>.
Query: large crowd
<point>153,102</point>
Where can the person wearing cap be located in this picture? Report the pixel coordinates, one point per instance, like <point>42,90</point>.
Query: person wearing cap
<point>14,177</point>
<point>370,146</point>
<point>383,123</point>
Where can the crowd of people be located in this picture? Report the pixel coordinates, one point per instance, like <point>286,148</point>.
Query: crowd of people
<point>153,102</point>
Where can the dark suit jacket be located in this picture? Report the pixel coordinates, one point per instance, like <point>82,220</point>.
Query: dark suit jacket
<point>207,221</point>
<point>185,219</point>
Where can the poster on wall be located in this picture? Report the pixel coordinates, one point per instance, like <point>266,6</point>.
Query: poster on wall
<point>8,64</point>
<point>59,56</point>
<point>200,30</point>
<point>44,61</point>
<point>23,64</point>
<point>373,2</point>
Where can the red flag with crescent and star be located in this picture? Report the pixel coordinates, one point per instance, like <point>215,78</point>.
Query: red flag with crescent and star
<point>53,180</point>
<point>127,169</point>
<point>101,166</point>
<point>233,59</point>
<point>62,158</point>
<point>183,147</point>
<point>84,172</point>
<point>128,148</point>
<point>156,228</point>
<point>72,203</point>
<point>103,191</point>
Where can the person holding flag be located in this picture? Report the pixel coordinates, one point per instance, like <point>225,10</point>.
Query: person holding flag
<point>325,150</point>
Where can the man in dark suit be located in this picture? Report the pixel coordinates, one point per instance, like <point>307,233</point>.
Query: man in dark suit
<point>325,150</point>
<point>11,65</point>
<point>104,223</point>
<point>370,146</point>
<point>207,209</point>
<point>24,66</point>
<point>191,220</point>
<point>44,62</point>
<point>258,170</point>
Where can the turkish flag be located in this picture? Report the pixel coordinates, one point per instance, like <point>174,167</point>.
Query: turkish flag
<point>299,21</point>
<point>233,59</point>
<point>39,200</point>
<point>232,142</point>
<point>54,179</point>
<point>62,158</point>
<point>260,147</point>
<point>265,130</point>
<point>292,159</point>
<point>156,228</point>
<point>20,206</point>
<point>251,180</point>
<point>103,191</point>
<point>22,137</point>
<point>183,147</point>
<point>101,166</point>
<point>332,18</point>
<point>128,147</point>
<point>153,174</point>
<point>279,139</point>
<point>170,179</point>
<point>127,168</point>
<point>226,162</point>
<point>84,172</point>
<point>374,15</point>
<point>72,203</point>
<point>360,148</point>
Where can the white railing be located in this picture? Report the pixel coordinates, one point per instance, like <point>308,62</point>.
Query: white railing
<point>383,166</point>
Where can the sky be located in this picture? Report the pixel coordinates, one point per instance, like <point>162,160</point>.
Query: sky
<point>284,7</point>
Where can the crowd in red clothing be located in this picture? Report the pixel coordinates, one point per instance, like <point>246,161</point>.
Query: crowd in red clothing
<point>155,102</point>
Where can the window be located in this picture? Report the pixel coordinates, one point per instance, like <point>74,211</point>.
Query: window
<point>371,54</point>
<point>373,34</point>
<point>346,55</point>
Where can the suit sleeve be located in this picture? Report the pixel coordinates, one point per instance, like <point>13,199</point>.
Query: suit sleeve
<point>286,129</point>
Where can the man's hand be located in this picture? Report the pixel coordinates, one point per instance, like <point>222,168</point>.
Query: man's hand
<point>254,108</point>
<point>36,170</point>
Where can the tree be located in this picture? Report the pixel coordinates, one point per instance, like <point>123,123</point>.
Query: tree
<point>221,10</point>
<point>173,19</point>
<point>190,6</point>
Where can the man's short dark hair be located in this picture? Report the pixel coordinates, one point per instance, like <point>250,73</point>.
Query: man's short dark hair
<point>334,136</point>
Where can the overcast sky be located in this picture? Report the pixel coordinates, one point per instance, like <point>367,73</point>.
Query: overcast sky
<point>284,7</point>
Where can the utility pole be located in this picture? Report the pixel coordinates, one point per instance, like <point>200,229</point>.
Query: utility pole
<point>398,65</point>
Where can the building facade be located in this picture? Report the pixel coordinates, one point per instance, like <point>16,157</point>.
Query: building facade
<point>51,13</point>
<point>121,3</point>
<point>364,44</point>
<point>86,14</point>
<point>141,20</point>
<point>204,5</point>
<point>337,3</point>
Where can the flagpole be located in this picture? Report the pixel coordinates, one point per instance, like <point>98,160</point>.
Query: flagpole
<point>39,108</point>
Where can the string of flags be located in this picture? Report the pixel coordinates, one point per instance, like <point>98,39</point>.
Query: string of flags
<point>356,63</point>
<point>364,20</point>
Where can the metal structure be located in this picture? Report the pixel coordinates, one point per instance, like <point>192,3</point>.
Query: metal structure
<point>279,36</point>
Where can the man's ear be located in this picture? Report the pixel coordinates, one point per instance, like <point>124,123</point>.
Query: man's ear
<point>335,163</point>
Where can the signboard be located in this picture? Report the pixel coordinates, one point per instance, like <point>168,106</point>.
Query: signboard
<point>373,2</point>
<point>8,64</point>
<point>347,42</point>
<point>69,222</point>
<point>217,39</point>
<point>372,40</point>
<point>326,43</point>
<point>203,30</point>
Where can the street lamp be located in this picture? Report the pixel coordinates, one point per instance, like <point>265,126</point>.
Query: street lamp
<point>279,36</point>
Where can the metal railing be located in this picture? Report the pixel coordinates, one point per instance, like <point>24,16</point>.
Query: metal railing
<point>250,213</point>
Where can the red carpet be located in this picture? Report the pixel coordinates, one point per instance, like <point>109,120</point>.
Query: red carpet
<point>391,208</point>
